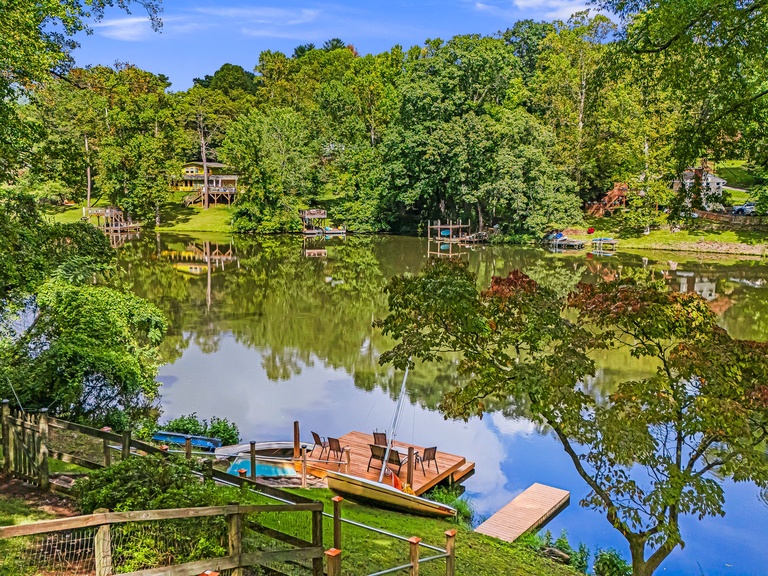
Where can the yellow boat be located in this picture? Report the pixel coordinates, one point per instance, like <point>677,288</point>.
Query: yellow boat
<point>385,496</point>
<point>195,269</point>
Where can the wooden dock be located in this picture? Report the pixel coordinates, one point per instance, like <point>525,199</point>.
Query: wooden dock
<point>529,511</point>
<point>453,468</point>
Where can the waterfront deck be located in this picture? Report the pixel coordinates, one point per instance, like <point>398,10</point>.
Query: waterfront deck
<point>452,467</point>
<point>529,511</point>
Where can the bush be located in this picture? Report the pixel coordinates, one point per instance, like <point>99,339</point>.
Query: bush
<point>610,563</point>
<point>220,428</point>
<point>465,512</point>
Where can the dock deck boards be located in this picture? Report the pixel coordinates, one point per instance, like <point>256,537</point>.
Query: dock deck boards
<point>359,451</point>
<point>530,510</point>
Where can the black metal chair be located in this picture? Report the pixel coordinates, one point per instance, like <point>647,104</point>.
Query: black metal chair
<point>319,442</point>
<point>335,446</point>
<point>430,455</point>
<point>379,452</point>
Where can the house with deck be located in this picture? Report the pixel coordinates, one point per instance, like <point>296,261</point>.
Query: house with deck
<point>221,180</point>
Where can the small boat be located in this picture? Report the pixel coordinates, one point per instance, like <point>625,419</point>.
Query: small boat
<point>203,442</point>
<point>385,496</point>
<point>270,449</point>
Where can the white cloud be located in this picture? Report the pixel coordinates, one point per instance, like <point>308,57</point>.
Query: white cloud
<point>273,33</point>
<point>131,29</point>
<point>517,9</point>
<point>265,15</point>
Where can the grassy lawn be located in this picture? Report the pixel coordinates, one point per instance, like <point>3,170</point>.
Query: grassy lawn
<point>736,173</point>
<point>364,552</point>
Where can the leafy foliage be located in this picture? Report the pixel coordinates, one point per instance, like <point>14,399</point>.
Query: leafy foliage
<point>221,428</point>
<point>610,563</point>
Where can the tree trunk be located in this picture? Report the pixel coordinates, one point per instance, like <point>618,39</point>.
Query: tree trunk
<point>88,179</point>
<point>204,155</point>
<point>479,217</point>
<point>157,213</point>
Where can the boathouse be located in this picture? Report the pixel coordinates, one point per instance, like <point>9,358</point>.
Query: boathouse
<point>221,180</point>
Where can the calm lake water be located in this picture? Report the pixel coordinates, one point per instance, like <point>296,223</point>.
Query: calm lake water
<point>279,329</point>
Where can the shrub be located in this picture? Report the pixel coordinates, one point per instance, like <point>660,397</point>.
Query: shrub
<point>611,563</point>
<point>220,428</point>
<point>465,512</point>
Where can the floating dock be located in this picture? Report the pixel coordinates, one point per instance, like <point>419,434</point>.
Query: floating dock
<point>529,511</point>
<point>453,468</point>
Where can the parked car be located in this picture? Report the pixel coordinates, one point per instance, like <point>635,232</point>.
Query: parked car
<point>745,209</point>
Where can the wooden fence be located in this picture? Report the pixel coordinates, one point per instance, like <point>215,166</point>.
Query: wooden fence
<point>102,555</point>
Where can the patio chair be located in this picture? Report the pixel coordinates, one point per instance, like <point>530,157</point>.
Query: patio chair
<point>378,453</point>
<point>428,456</point>
<point>380,438</point>
<point>319,442</point>
<point>335,446</point>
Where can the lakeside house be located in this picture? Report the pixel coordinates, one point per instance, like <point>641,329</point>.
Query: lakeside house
<point>702,181</point>
<point>222,183</point>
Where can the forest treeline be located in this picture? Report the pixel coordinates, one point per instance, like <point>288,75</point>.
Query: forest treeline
<point>518,129</point>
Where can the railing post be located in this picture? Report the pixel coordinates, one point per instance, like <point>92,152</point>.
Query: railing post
<point>42,452</point>
<point>450,550</point>
<point>253,460</point>
<point>348,457</point>
<point>303,467</point>
<point>107,453</point>
<point>337,500</point>
<point>235,537</point>
<point>333,557</point>
<point>414,555</point>
<point>317,540</point>
<point>126,444</point>
<point>411,465</point>
<point>6,431</point>
<point>188,447</point>
<point>102,547</point>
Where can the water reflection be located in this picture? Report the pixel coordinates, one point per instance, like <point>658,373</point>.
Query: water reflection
<point>266,331</point>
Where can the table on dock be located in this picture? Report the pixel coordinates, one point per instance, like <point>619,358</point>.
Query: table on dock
<point>452,467</point>
<point>529,511</point>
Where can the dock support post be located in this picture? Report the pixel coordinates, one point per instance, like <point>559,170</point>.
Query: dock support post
<point>304,467</point>
<point>450,550</point>
<point>253,460</point>
<point>6,431</point>
<point>42,450</point>
<point>296,439</point>
<point>333,557</point>
<point>126,444</point>
<point>411,465</point>
<point>347,463</point>
<point>337,500</point>
<point>188,447</point>
<point>414,555</point>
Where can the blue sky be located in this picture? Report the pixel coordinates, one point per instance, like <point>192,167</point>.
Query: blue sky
<point>199,36</point>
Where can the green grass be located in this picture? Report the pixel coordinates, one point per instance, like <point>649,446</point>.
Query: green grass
<point>15,511</point>
<point>364,552</point>
<point>736,173</point>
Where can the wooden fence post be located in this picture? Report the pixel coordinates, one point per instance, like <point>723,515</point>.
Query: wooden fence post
<point>411,464</point>
<point>188,447</point>
<point>317,540</point>
<point>337,500</point>
<point>107,454</point>
<point>102,547</point>
<point>235,537</point>
<point>450,550</point>
<point>6,431</point>
<point>333,556</point>
<point>253,460</point>
<point>414,555</point>
<point>348,459</point>
<point>42,450</point>
<point>126,444</point>
<point>303,467</point>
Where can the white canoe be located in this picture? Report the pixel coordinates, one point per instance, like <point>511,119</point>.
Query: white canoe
<point>385,496</point>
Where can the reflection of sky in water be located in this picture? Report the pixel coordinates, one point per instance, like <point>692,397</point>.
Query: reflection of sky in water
<point>509,454</point>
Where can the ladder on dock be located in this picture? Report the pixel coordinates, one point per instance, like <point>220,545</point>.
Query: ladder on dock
<point>529,511</point>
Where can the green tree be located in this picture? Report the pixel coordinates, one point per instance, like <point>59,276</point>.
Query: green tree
<point>651,452</point>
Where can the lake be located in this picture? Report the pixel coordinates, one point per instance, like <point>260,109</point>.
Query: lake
<point>278,329</point>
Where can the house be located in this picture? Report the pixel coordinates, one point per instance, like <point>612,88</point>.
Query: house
<point>222,183</point>
<point>710,186</point>
<point>614,199</point>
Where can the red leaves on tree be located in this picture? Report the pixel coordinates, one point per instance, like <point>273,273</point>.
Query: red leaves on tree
<point>515,283</point>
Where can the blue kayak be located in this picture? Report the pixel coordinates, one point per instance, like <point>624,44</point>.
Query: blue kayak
<point>177,438</point>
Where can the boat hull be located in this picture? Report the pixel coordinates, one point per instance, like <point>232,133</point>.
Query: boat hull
<point>385,496</point>
<point>270,449</point>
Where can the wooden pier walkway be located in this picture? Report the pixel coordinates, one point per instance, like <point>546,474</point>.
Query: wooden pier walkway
<point>529,511</point>
<point>453,468</point>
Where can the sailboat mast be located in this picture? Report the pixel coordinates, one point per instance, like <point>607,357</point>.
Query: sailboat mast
<point>393,425</point>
